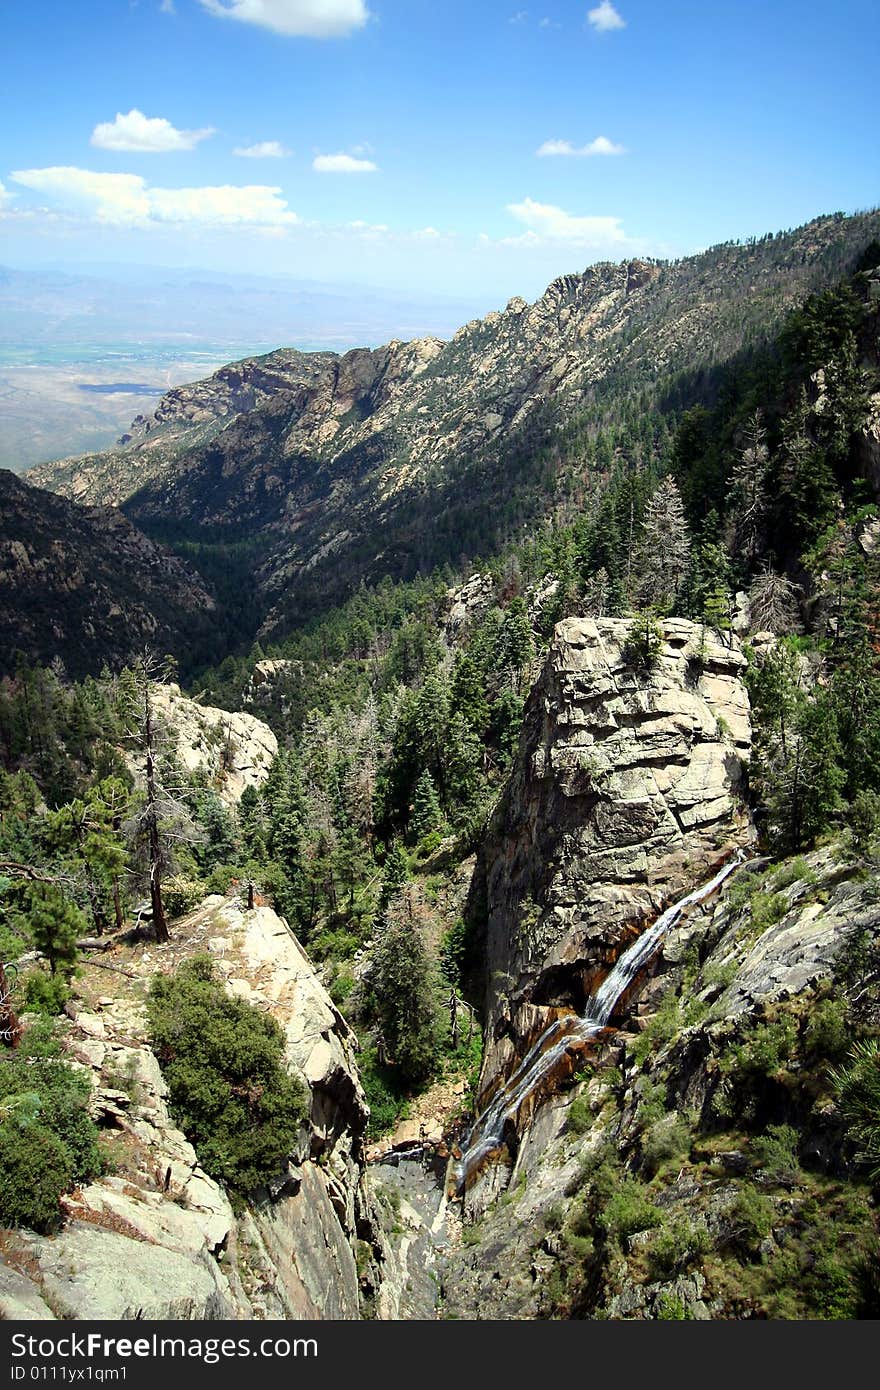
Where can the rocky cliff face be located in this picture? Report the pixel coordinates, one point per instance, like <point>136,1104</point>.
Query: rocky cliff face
<point>626,790</point>
<point>157,1238</point>
<point>81,583</point>
<point>344,464</point>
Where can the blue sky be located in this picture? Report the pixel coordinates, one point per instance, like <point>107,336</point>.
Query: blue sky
<point>394,142</point>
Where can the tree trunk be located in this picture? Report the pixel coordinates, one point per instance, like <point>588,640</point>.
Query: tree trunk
<point>160,922</point>
<point>10,1028</point>
<point>117,904</point>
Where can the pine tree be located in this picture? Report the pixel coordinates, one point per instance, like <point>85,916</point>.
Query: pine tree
<point>467,696</point>
<point>804,787</point>
<point>405,998</point>
<point>55,924</point>
<point>161,819</point>
<point>808,499</point>
<point>463,774</point>
<point>747,494</point>
<point>426,814</point>
<point>664,548</point>
<point>515,643</point>
<point>395,874</point>
<point>773,603</point>
<point>86,834</point>
<point>286,841</point>
<point>597,594</point>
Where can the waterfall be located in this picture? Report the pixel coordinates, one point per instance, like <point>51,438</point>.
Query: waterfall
<point>571,1031</point>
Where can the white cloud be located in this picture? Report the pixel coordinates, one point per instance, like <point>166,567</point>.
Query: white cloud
<point>167,7</point>
<point>224,205</point>
<point>112,198</point>
<point>543,221</point>
<point>145,134</point>
<point>605,17</point>
<point>519,18</point>
<point>600,146</point>
<point>343,164</point>
<point>127,199</point>
<point>312,19</point>
<point>263,149</point>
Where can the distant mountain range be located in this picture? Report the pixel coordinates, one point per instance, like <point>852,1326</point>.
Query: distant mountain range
<point>70,342</point>
<point>337,470</point>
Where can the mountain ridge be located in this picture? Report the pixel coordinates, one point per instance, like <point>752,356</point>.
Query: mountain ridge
<point>290,480</point>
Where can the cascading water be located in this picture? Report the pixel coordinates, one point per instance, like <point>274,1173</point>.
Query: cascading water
<point>571,1031</point>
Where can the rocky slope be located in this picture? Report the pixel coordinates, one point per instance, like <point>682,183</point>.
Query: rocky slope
<point>82,584</point>
<point>157,1238</point>
<point>343,465</point>
<point>728,1039</point>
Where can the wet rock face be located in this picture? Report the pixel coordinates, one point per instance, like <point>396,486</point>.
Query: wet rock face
<point>625,794</point>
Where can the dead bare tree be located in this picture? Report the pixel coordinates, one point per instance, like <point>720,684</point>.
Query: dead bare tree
<point>162,820</point>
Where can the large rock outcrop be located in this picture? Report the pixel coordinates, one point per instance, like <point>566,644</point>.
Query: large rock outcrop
<point>236,750</point>
<point>627,790</point>
<point>157,1238</point>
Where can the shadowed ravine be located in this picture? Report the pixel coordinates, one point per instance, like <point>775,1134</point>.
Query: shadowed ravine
<point>572,1032</point>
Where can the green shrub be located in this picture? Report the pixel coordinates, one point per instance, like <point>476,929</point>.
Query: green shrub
<point>223,1061</point>
<point>629,1209</point>
<point>827,1035</point>
<point>858,1097</point>
<point>834,1288</point>
<point>182,895</point>
<point>338,943</point>
<point>341,987</point>
<point>864,820</point>
<point>554,1217</point>
<point>643,642</point>
<point>676,1247</point>
<point>662,1028</point>
<point>765,910</point>
<point>579,1118</point>
<point>793,871</point>
<point>670,1308</point>
<point>48,1141</point>
<point>35,1169</point>
<point>776,1151</point>
<point>45,994</point>
<point>767,1048</point>
<point>751,1220</point>
<point>386,1101</point>
<point>666,1139</point>
<point>427,845</point>
<point>719,973</point>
